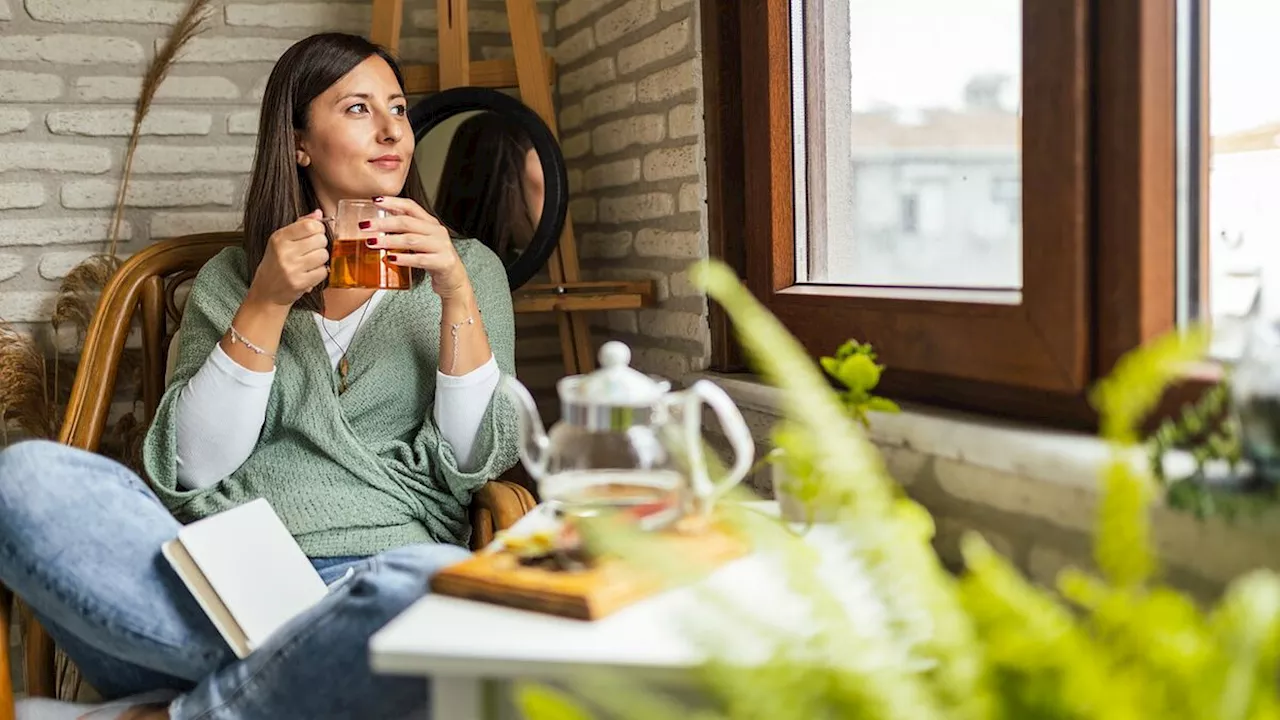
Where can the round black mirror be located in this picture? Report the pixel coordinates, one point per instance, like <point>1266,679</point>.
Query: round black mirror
<point>493,170</point>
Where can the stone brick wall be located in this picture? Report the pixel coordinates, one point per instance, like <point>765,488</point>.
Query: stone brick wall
<point>632,131</point>
<point>69,73</point>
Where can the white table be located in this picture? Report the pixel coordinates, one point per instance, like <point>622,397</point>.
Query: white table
<point>467,646</point>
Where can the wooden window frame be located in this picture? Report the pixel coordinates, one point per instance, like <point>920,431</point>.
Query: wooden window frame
<point>1099,227</point>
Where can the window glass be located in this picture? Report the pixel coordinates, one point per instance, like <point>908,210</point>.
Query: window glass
<point>908,143</point>
<point>1229,122</point>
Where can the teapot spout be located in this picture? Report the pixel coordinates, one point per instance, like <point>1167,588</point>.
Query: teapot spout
<point>533,436</point>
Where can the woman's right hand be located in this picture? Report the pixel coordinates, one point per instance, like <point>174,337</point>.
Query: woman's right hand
<point>294,261</point>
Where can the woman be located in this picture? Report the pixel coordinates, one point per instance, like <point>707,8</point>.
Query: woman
<point>366,419</point>
<point>491,184</point>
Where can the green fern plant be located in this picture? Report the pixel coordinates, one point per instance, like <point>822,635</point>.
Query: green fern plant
<point>1207,431</point>
<point>986,645</point>
<point>857,373</point>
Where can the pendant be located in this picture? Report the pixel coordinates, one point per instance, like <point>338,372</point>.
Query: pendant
<point>343,367</point>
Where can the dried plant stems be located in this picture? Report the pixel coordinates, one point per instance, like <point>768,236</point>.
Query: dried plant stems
<point>24,396</point>
<point>191,23</point>
<point>79,291</point>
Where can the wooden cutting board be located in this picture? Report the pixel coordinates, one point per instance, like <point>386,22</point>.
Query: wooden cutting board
<point>588,594</point>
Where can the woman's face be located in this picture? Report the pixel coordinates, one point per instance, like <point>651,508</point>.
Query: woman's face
<point>358,141</point>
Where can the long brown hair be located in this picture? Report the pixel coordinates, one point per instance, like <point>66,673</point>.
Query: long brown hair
<point>481,192</point>
<point>280,191</point>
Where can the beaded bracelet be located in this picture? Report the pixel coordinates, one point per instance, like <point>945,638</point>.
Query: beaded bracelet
<point>236,337</point>
<point>453,333</point>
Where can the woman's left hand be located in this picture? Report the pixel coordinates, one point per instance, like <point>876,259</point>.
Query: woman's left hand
<point>423,242</point>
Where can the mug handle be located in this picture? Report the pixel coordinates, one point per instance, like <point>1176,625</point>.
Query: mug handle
<point>735,429</point>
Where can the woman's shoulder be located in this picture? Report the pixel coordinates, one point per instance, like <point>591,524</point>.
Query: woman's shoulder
<point>483,265</point>
<point>224,273</point>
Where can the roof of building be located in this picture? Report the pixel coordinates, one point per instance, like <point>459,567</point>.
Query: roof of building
<point>935,128</point>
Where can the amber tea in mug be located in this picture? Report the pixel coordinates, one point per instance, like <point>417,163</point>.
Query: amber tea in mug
<point>352,263</point>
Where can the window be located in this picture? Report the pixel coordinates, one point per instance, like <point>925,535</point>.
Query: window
<point>1229,170</point>
<point>933,119</point>
<point>984,190</point>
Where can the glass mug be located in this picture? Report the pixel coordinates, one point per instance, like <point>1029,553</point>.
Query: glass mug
<point>352,263</point>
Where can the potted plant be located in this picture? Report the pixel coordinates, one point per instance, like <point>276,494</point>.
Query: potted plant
<point>855,373</point>
<point>986,644</point>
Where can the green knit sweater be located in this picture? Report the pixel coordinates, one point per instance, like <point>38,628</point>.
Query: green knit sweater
<point>361,472</point>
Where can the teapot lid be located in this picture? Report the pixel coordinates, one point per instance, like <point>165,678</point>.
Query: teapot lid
<point>616,383</point>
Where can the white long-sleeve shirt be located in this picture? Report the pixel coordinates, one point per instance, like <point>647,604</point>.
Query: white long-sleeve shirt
<point>221,410</point>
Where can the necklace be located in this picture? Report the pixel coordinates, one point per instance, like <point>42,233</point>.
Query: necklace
<point>343,365</point>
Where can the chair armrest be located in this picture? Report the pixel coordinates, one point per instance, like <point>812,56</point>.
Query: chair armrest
<point>497,506</point>
<point>7,709</point>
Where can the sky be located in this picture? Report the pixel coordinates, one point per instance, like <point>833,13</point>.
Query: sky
<point>1244,60</point>
<point>920,53</point>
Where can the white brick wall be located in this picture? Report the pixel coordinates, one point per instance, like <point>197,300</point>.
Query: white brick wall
<point>125,89</point>
<point>13,120</point>
<point>10,265</point>
<point>21,195</point>
<point>350,17</point>
<point>70,71</point>
<point>70,49</point>
<point>118,122</point>
<point>56,265</point>
<point>631,120</point>
<point>18,86</point>
<point>111,11</point>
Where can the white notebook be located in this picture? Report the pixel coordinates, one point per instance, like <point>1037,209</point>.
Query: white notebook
<point>246,571</point>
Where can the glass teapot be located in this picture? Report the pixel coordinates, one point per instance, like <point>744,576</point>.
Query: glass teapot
<point>627,442</point>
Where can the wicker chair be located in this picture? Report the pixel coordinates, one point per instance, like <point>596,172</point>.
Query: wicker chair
<point>151,281</point>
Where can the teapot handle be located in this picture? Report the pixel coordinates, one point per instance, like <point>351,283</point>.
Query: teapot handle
<point>534,442</point>
<point>735,429</point>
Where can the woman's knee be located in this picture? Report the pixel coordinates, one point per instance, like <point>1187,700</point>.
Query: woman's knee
<point>400,576</point>
<point>423,559</point>
<point>27,474</point>
<point>40,479</point>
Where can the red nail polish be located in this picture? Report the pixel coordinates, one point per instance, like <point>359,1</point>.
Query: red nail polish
<point>377,198</point>
<point>371,242</point>
<point>365,224</point>
<point>391,258</point>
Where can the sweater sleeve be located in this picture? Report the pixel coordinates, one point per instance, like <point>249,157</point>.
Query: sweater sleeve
<point>220,414</point>
<point>460,405</point>
<point>494,449</point>
<point>215,296</point>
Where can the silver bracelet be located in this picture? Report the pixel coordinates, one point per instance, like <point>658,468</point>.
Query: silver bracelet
<point>453,333</point>
<point>236,337</point>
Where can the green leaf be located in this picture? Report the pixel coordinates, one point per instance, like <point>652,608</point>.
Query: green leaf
<point>538,702</point>
<point>882,405</point>
<point>858,372</point>
<point>1123,548</point>
<point>1136,383</point>
<point>831,365</point>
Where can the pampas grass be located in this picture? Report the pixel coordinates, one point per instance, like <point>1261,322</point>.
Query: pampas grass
<point>79,291</point>
<point>191,24</point>
<point>24,397</point>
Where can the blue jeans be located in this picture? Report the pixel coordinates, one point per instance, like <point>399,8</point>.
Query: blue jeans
<point>80,540</point>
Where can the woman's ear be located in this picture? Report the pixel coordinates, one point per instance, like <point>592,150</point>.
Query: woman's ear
<point>300,154</point>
